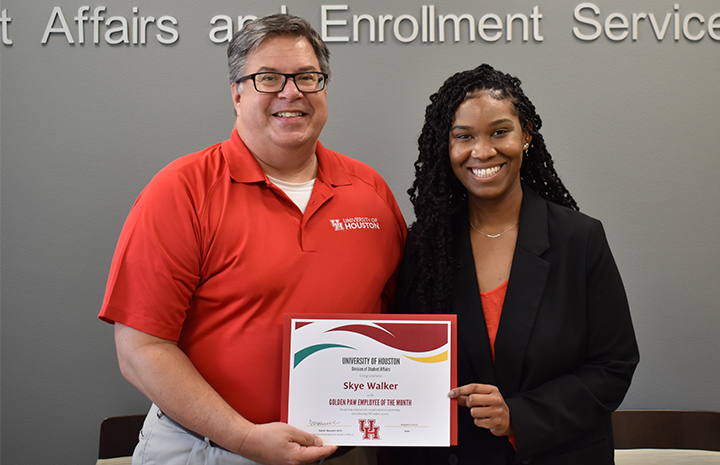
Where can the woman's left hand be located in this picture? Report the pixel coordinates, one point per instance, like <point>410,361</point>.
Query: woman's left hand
<point>487,407</point>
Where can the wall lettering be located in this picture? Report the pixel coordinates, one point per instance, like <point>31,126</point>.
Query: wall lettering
<point>342,23</point>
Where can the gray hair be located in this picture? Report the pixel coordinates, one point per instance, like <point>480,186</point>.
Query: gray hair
<point>249,38</point>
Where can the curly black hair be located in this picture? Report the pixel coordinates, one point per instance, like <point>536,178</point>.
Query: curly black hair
<point>436,191</point>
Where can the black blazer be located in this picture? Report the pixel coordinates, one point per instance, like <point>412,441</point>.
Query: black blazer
<point>565,350</point>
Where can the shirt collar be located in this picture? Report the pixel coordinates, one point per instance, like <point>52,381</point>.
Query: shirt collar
<point>245,169</point>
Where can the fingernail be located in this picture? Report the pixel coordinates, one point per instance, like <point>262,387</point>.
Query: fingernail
<point>318,442</point>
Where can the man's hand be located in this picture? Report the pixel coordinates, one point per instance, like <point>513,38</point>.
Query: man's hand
<point>282,444</point>
<point>487,407</point>
<point>167,377</point>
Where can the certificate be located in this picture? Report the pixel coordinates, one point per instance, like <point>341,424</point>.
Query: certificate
<point>371,379</point>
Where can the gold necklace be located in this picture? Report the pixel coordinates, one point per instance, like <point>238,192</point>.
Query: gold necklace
<point>492,236</point>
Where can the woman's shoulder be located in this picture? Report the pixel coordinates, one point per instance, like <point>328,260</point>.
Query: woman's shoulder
<point>537,210</point>
<point>573,229</point>
<point>569,216</point>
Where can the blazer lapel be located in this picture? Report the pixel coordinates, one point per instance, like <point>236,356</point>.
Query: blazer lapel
<point>525,287</point>
<point>472,330</point>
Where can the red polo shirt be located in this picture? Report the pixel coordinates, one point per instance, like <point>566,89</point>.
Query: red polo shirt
<point>212,255</point>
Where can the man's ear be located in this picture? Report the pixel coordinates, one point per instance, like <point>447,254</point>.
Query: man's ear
<point>236,92</point>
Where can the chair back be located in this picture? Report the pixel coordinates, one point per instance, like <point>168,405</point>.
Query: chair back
<point>119,436</point>
<point>666,429</point>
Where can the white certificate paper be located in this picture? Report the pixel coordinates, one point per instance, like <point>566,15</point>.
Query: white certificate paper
<point>371,379</point>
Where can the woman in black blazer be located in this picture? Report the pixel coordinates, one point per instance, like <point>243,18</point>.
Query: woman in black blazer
<point>546,347</point>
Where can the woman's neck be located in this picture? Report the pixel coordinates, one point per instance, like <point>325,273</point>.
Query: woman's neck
<point>493,216</point>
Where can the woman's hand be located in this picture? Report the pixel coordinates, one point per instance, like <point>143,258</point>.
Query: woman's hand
<point>487,407</point>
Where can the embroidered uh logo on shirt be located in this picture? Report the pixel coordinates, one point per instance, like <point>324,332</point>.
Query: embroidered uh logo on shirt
<point>358,222</point>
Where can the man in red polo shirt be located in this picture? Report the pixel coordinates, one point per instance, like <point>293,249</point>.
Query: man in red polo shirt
<point>223,242</point>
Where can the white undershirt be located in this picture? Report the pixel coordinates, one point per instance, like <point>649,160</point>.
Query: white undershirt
<point>299,192</point>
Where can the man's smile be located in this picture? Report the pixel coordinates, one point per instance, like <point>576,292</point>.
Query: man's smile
<point>289,114</point>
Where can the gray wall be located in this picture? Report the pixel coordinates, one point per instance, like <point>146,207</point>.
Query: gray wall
<point>632,125</point>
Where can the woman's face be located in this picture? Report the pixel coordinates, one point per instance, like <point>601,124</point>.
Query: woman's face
<point>486,147</point>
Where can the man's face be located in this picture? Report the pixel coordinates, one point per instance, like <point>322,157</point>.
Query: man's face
<point>289,120</point>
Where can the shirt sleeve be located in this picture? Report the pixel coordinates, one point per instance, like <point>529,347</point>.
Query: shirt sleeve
<point>156,264</point>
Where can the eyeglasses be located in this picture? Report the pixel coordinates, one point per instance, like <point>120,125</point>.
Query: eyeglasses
<point>306,83</point>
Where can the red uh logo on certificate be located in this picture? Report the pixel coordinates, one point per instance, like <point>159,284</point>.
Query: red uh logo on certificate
<point>369,430</point>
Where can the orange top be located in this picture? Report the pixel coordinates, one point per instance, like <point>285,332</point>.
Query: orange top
<point>492,303</point>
